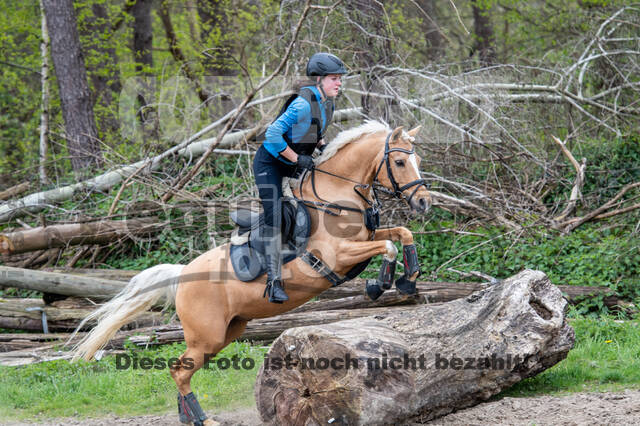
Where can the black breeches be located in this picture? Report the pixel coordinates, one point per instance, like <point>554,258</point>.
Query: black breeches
<point>269,173</point>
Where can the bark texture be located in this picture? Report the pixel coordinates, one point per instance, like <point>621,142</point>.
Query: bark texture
<point>66,284</point>
<point>432,34</point>
<point>101,232</point>
<point>63,315</point>
<point>104,75</point>
<point>521,317</point>
<point>483,29</point>
<point>142,34</point>
<point>75,97</point>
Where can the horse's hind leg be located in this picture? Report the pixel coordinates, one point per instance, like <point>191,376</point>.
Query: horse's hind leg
<point>200,348</point>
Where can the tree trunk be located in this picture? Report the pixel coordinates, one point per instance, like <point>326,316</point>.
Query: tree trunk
<point>143,54</point>
<point>60,316</point>
<point>101,232</point>
<point>432,34</point>
<point>66,284</point>
<point>484,44</point>
<point>176,52</point>
<point>142,34</point>
<point>44,115</point>
<point>75,97</point>
<point>418,364</point>
<point>14,190</point>
<point>104,75</point>
<point>214,20</point>
<point>263,330</point>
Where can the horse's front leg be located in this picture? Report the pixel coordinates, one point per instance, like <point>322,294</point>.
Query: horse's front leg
<point>406,283</point>
<point>352,252</point>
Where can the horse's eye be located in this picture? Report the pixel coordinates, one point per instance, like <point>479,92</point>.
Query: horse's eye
<point>400,163</point>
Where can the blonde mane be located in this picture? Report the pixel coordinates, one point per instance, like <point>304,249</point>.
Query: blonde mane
<point>347,136</point>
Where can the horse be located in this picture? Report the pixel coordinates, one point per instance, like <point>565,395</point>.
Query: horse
<point>214,307</point>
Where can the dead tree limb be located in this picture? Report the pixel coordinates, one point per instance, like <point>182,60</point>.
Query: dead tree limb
<point>576,192</point>
<point>66,284</point>
<point>572,224</point>
<point>100,232</point>
<point>14,190</point>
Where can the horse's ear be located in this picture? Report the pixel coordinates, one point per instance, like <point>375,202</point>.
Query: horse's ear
<point>397,132</point>
<point>413,132</point>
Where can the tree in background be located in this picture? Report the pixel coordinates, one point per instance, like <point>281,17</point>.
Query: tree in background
<point>483,29</point>
<point>432,33</point>
<point>75,97</point>
<point>96,36</point>
<point>216,35</point>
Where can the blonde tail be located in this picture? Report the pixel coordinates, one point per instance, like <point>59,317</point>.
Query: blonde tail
<point>140,294</point>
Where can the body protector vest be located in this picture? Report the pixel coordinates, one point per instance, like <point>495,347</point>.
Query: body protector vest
<point>316,131</point>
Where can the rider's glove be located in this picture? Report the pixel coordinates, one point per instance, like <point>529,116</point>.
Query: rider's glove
<point>305,162</point>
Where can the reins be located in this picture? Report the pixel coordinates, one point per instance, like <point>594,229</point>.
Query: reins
<point>324,205</point>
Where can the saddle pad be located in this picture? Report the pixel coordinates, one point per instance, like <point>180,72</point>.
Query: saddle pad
<point>248,259</point>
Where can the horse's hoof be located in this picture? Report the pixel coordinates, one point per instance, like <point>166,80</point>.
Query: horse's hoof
<point>373,289</point>
<point>405,286</point>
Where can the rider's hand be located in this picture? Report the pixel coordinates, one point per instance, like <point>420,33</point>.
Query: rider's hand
<point>305,162</point>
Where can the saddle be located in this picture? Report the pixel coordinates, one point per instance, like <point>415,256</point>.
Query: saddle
<point>247,247</point>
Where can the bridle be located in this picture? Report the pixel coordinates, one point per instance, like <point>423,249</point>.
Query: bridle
<point>374,204</point>
<point>397,189</point>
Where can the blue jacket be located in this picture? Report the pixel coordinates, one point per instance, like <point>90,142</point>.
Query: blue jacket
<point>294,122</point>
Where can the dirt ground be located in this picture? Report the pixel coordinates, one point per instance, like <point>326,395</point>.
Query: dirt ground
<point>576,409</point>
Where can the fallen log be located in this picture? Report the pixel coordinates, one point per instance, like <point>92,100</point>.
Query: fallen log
<point>108,274</point>
<point>438,292</point>
<point>104,284</point>
<point>263,330</point>
<point>100,232</point>
<point>418,364</point>
<point>65,284</point>
<point>14,190</point>
<point>26,314</point>
<point>389,298</point>
<point>18,341</point>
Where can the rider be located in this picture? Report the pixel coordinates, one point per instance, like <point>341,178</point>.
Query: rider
<point>289,143</point>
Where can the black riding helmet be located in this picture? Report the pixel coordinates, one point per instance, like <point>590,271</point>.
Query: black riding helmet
<point>321,64</point>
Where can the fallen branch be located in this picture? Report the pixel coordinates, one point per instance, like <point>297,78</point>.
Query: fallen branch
<point>572,224</point>
<point>576,192</point>
<point>101,232</point>
<point>65,284</point>
<point>26,314</point>
<point>14,190</point>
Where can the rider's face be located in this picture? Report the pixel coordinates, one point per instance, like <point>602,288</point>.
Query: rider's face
<point>331,84</point>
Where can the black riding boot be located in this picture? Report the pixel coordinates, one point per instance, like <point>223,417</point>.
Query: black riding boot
<point>275,287</point>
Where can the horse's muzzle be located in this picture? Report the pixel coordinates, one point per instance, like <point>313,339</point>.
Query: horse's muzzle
<point>421,205</point>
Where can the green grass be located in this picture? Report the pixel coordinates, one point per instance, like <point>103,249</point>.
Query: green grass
<point>60,389</point>
<point>606,357</point>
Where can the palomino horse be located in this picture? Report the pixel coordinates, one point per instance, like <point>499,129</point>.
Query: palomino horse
<point>214,307</point>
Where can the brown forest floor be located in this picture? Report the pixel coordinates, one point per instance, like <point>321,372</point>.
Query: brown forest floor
<point>574,409</point>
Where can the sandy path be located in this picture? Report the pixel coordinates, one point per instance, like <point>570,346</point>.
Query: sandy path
<point>574,409</point>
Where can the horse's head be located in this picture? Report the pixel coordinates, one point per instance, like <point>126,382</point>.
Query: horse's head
<point>399,170</point>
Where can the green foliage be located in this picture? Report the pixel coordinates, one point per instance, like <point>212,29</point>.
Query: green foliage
<point>605,357</point>
<point>589,256</point>
<point>19,91</point>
